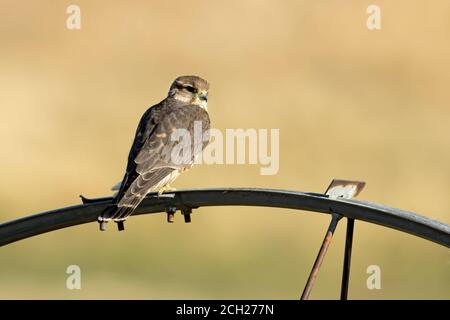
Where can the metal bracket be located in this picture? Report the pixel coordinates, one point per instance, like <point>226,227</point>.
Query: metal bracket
<point>344,189</point>
<point>185,211</point>
<point>120,225</point>
<point>186,214</point>
<point>171,214</point>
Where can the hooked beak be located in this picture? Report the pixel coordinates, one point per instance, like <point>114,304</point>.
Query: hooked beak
<point>204,96</point>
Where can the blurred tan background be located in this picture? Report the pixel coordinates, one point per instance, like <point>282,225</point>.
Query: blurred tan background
<point>349,102</point>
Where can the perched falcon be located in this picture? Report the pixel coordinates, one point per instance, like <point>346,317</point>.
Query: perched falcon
<point>152,162</point>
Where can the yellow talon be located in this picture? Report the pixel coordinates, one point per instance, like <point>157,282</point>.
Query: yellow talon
<point>166,188</point>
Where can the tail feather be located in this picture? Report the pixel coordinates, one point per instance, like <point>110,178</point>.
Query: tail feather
<point>119,212</point>
<point>127,208</point>
<point>108,213</point>
<point>130,199</point>
<point>114,212</point>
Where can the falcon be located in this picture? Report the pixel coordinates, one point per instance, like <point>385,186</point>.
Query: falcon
<point>153,161</point>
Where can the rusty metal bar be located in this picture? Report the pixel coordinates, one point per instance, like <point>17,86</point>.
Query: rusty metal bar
<point>320,256</point>
<point>347,258</point>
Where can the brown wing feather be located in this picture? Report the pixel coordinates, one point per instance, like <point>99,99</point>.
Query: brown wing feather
<point>151,159</point>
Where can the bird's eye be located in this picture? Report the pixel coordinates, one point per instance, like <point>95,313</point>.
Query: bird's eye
<point>191,89</point>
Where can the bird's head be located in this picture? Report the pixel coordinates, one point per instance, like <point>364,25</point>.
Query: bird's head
<point>190,90</point>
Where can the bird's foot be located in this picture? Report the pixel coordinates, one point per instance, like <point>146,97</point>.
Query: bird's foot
<point>166,188</point>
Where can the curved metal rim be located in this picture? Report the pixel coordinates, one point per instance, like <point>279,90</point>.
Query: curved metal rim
<point>401,220</point>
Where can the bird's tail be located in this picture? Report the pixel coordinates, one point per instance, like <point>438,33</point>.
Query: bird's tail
<point>108,213</point>
<point>117,213</point>
<point>106,216</point>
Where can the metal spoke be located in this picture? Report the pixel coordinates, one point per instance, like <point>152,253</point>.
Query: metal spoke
<point>320,256</point>
<point>347,258</point>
